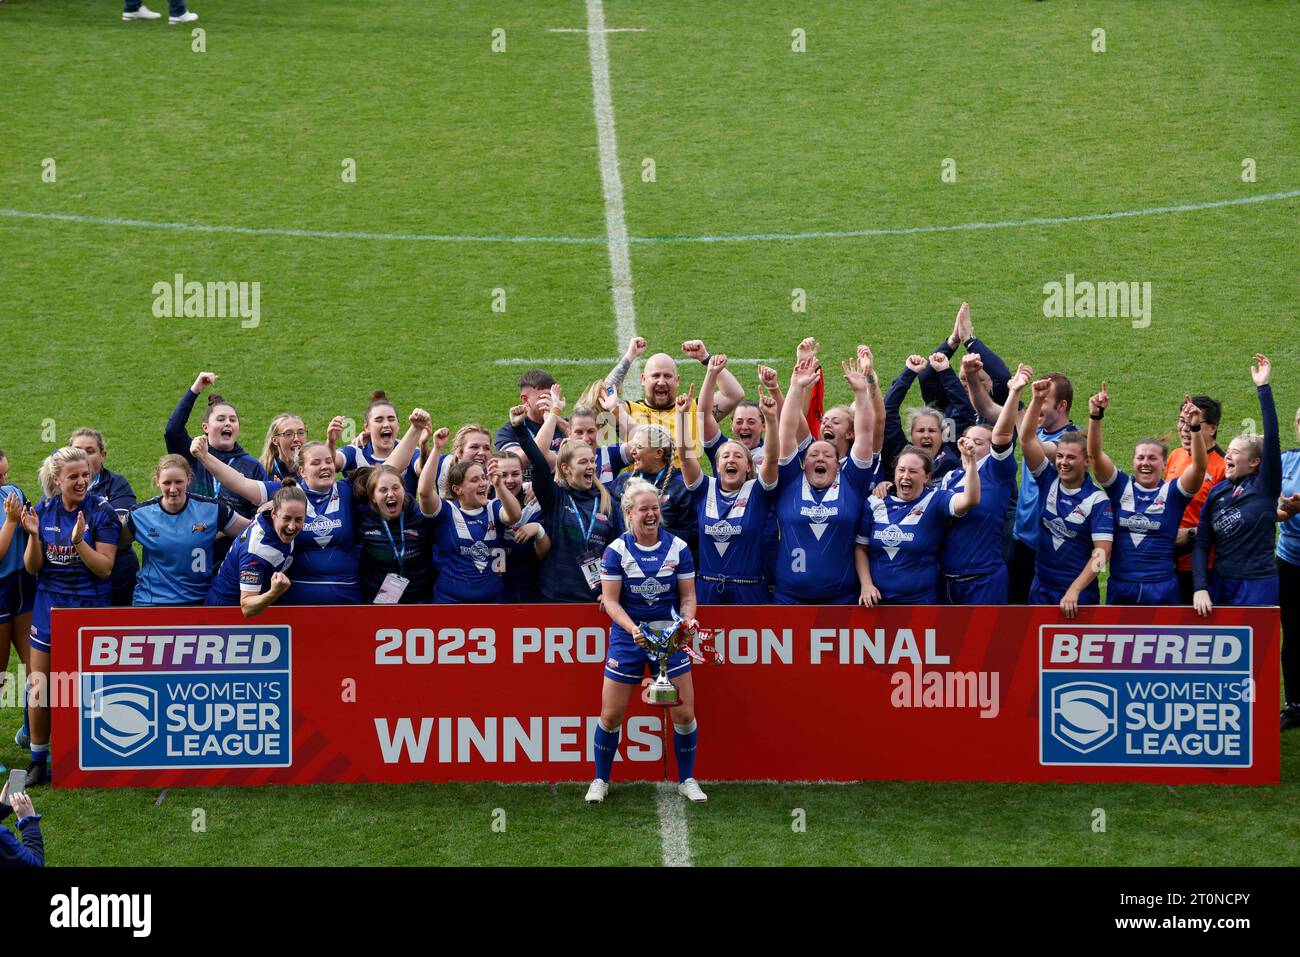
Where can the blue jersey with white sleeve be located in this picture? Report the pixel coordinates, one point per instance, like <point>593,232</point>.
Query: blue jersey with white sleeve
<point>1070,522</point>
<point>903,539</point>
<point>1146,524</point>
<point>818,531</point>
<point>256,555</point>
<point>973,546</point>
<point>178,549</point>
<point>471,547</point>
<point>649,576</point>
<point>355,458</point>
<point>325,553</point>
<point>63,572</point>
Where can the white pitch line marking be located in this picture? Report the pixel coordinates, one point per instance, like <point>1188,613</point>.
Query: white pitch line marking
<point>606,30</point>
<point>601,240</point>
<point>620,257</point>
<point>672,826</point>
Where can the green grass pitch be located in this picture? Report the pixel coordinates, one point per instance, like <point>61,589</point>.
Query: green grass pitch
<point>747,138</point>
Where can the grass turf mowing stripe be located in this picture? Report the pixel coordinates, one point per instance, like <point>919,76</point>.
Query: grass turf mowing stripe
<point>672,826</point>
<point>620,257</point>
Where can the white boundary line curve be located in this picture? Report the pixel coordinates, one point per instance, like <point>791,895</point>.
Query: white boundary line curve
<point>601,240</point>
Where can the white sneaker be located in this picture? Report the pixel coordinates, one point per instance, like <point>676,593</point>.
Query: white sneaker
<point>189,16</point>
<point>690,789</point>
<point>144,13</point>
<point>596,793</point>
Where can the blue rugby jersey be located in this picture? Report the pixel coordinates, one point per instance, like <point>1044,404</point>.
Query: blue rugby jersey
<point>472,549</point>
<point>609,463</point>
<point>1026,525</point>
<point>1288,541</point>
<point>1239,518</point>
<point>12,563</point>
<point>121,496</point>
<point>973,546</point>
<point>523,567</point>
<point>732,527</point>
<point>1070,522</point>
<point>247,568</point>
<point>355,458</point>
<point>904,539</point>
<point>325,553</point>
<point>178,549</point>
<point>1146,524</point>
<point>64,573</point>
<point>818,532</point>
<point>649,577</point>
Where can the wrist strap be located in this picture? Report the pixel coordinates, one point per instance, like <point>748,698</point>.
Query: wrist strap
<point>1101,415</point>
<point>968,342</point>
<point>1193,428</point>
<point>705,361</point>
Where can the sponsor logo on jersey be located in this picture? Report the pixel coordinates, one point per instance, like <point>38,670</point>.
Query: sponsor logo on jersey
<point>818,513</point>
<point>723,531</point>
<point>1056,525</point>
<point>893,536</point>
<point>649,588</point>
<point>1138,523</point>
<point>1227,521</point>
<point>197,527</point>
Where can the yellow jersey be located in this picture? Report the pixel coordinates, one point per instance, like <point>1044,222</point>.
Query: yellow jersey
<point>643,414</point>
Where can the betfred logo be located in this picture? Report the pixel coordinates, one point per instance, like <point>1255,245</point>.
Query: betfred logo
<point>161,698</point>
<point>1146,696</point>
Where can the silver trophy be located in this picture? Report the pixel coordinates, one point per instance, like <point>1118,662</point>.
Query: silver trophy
<point>660,635</point>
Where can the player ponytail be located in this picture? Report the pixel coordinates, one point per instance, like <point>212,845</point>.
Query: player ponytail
<point>215,401</point>
<point>289,492</point>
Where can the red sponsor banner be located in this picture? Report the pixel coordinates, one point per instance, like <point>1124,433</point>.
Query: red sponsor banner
<point>199,696</point>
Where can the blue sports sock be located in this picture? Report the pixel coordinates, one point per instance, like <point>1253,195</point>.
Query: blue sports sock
<point>40,753</point>
<point>684,737</point>
<point>26,726</point>
<point>606,746</point>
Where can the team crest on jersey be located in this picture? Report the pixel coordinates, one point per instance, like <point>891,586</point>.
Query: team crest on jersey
<point>723,531</point>
<point>649,588</point>
<point>1139,523</point>
<point>198,527</point>
<point>818,513</point>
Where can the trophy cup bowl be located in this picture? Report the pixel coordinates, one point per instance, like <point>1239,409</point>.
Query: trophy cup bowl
<point>661,692</point>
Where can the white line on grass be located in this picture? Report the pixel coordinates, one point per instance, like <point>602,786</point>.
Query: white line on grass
<point>672,826</point>
<point>620,258</point>
<point>601,240</point>
<point>606,30</point>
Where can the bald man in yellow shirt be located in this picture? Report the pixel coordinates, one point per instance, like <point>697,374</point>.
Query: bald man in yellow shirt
<point>660,381</point>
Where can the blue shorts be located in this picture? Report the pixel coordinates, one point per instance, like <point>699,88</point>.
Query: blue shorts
<point>1121,592</point>
<point>1040,594</point>
<point>17,595</point>
<point>926,597</point>
<point>1244,591</point>
<point>731,593</point>
<point>990,588</point>
<point>627,662</point>
<point>785,598</point>
<point>47,601</point>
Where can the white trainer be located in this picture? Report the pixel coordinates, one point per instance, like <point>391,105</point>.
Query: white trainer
<point>189,16</point>
<point>144,13</point>
<point>690,789</point>
<point>596,793</point>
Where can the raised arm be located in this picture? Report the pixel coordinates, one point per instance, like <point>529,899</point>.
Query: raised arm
<point>543,478</point>
<point>253,605</point>
<point>801,380</point>
<point>1004,429</point>
<point>246,488</point>
<point>1103,468</point>
<point>1192,478</point>
<point>933,391</point>
<point>546,434</point>
<point>863,413</point>
<point>332,436</point>
<point>420,422</point>
<point>969,497</point>
<point>426,490</point>
<point>689,457</point>
<point>175,434</point>
<point>1030,447</point>
<point>635,350</point>
<point>867,366</point>
<point>1270,461</point>
<point>894,438</point>
<point>729,390</point>
<point>707,422</point>
<point>977,391</point>
<point>956,406</point>
<point>770,467</point>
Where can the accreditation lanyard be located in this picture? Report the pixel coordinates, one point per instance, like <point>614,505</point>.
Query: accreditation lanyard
<point>401,533</point>
<point>585,528</point>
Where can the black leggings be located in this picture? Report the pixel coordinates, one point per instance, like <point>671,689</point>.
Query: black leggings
<point>1289,598</point>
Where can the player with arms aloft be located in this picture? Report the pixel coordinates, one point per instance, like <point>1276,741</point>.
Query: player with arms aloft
<point>1148,509</point>
<point>1075,520</point>
<point>252,575</point>
<point>646,575</point>
<point>1239,519</point>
